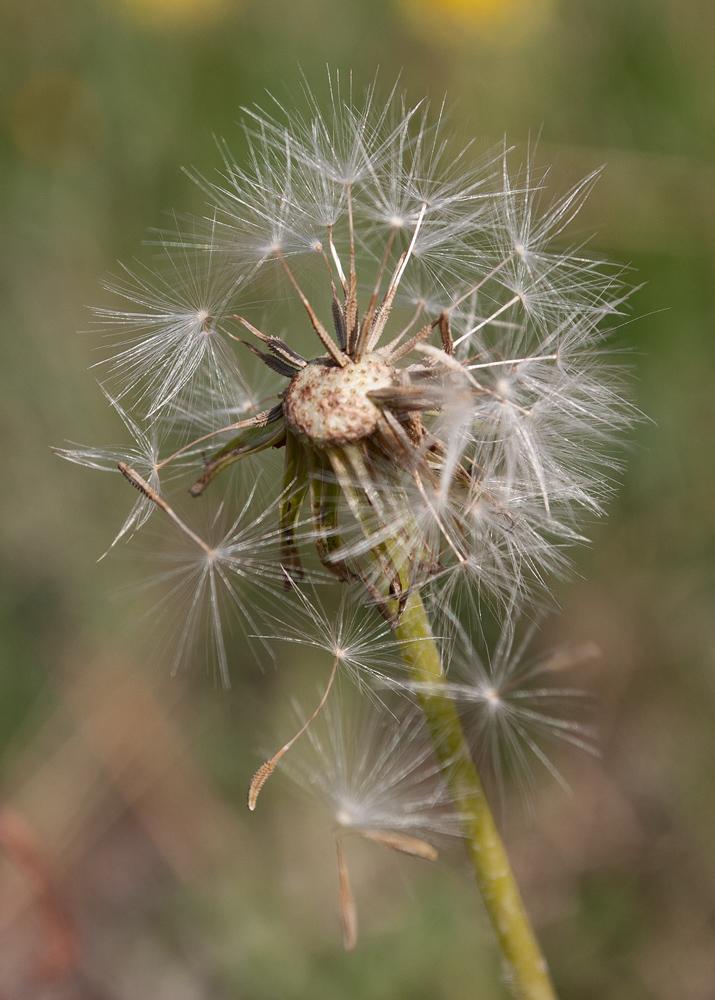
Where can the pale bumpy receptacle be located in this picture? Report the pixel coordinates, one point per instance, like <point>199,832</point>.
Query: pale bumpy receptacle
<point>330,406</point>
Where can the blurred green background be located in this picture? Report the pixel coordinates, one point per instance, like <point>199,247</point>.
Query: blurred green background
<point>129,867</point>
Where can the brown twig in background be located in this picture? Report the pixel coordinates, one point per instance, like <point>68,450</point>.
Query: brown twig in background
<point>60,955</point>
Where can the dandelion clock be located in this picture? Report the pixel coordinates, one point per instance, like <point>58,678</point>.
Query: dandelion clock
<point>384,347</point>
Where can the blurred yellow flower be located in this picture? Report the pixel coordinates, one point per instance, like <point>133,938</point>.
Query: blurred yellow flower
<point>173,13</point>
<point>458,20</point>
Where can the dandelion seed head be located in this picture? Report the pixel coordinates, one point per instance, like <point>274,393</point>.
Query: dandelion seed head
<point>451,417</point>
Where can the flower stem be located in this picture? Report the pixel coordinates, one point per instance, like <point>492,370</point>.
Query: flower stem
<point>525,965</point>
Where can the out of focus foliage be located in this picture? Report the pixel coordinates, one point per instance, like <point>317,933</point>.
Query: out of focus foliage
<point>132,782</point>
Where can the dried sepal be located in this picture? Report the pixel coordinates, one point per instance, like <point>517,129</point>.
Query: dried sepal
<point>324,504</point>
<point>294,492</point>
<point>276,346</point>
<point>276,364</point>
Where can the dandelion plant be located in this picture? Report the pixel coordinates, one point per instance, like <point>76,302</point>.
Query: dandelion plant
<point>435,387</point>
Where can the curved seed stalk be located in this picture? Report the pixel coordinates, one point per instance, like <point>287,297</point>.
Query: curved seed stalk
<point>266,770</point>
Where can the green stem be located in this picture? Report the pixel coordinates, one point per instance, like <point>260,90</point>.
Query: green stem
<point>525,965</point>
